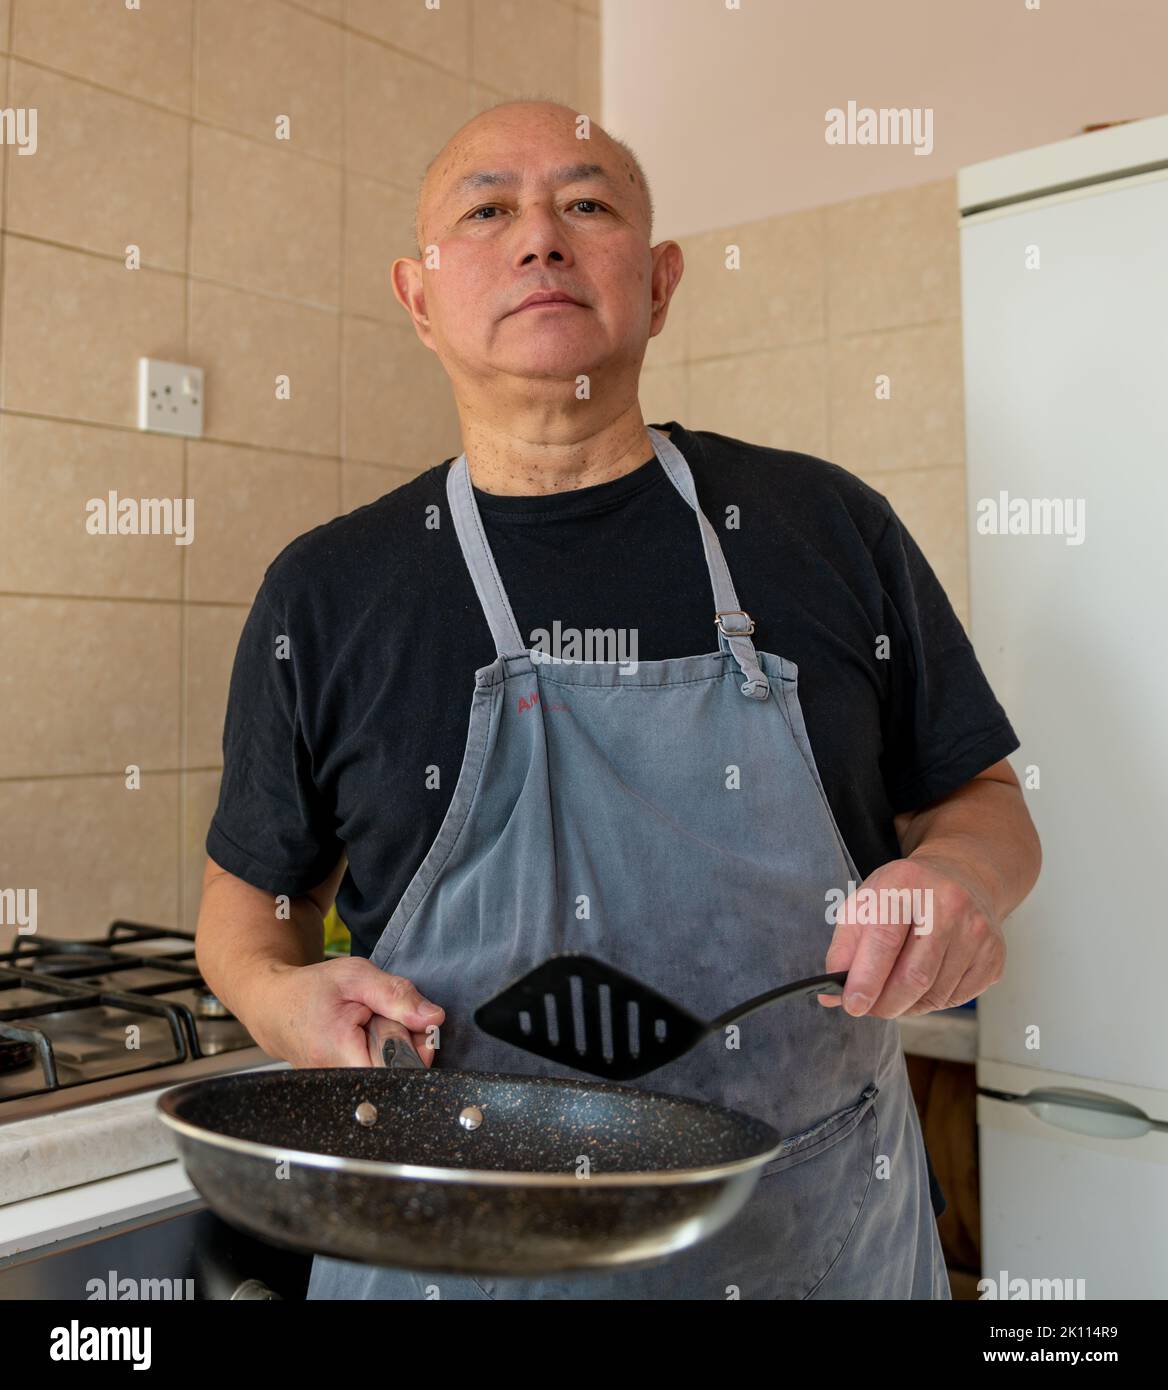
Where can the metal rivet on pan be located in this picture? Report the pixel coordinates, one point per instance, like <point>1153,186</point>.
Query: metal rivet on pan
<point>470,1117</point>
<point>365,1113</point>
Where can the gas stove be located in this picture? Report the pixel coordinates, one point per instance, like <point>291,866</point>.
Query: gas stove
<point>82,1021</point>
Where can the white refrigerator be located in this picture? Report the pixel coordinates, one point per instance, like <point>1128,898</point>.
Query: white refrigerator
<point>1064,254</point>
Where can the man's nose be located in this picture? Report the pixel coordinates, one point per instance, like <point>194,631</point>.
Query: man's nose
<point>540,237</point>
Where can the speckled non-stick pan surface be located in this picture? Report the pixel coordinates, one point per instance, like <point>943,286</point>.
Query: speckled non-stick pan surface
<point>465,1171</point>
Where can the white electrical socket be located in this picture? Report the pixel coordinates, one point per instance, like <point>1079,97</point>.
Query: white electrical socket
<point>170,397</point>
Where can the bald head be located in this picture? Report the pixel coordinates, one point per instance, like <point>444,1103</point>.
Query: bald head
<point>525,117</point>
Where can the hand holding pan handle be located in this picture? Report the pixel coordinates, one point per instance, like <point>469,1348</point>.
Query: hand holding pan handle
<point>390,1045</point>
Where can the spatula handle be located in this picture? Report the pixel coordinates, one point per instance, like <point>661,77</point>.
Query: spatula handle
<point>390,1045</point>
<point>813,984</point>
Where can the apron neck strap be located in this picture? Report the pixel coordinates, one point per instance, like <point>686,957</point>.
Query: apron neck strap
<point>732,623</point>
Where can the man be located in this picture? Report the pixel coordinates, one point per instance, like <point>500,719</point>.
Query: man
<point>690,814</point>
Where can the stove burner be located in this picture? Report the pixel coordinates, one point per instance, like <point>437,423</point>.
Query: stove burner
<point>64,964</point>
<point>110,1010</point>
<point>208,1005</point>
<point>15,1055</point>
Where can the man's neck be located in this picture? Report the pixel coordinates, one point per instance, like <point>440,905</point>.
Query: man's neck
<point>503,461</point>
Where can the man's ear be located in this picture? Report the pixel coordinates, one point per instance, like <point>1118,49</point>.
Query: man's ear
<point>405,278</point>
<point>668,267</point>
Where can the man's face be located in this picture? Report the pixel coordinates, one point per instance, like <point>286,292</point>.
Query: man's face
<point>519,205</point>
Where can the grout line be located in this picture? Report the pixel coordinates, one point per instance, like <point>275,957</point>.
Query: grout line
<point>5,161</point>
<point>825,305</point>
<point>125,598</point>
<point>316,14</point>
<point>73,422</point>
<point>346,28</point>
<point>825,341</point>
<point>343,22</point>
<point>183,711</point>
<point>184,564</point>
<point>929,469</point>
<point>895,328</point>
<point>116,258</point>
<point>79,423</point>
<point>342,282</point>
<point>273,296</point>
<point>117,773</point>
<point>406,53</point>
<point>472,49</point>
<point>110,257</point>
<point>211,124</point>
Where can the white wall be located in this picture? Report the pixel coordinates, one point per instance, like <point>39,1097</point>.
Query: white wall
<point>726,106</point>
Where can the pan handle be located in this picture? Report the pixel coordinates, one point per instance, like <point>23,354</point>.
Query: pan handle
<point>390,1045</point>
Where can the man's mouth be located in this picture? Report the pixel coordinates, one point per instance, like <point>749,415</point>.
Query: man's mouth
<point>544,299</point>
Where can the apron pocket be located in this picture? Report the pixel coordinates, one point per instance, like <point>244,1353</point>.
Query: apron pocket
<point>822,1136</point>
<point>798,1223</point>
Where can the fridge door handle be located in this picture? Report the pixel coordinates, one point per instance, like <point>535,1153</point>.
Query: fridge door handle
<point>1088,1112</point>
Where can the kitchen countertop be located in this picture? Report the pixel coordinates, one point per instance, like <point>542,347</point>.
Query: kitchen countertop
<point>950,1035</point>
<point>50,1152</point>
<point>82,1143</point>
<point>76,1170</point>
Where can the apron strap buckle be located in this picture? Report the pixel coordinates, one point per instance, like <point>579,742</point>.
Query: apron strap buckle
<point>735,631</point>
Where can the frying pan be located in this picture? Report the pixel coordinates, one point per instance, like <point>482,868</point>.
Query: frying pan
<point>463,1171</point>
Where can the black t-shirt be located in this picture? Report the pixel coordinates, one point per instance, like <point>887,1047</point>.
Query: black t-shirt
<point>355,669</point>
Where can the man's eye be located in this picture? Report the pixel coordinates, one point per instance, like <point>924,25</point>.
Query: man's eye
<point>494,207</point>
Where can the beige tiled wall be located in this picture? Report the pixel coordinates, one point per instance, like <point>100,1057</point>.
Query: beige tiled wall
<point>260,256</point>
<point>786,351</point>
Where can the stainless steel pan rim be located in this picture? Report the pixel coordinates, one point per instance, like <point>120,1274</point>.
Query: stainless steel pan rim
<point>493,1177</point>
<point>371,1158</point>
<point>198,1133</point>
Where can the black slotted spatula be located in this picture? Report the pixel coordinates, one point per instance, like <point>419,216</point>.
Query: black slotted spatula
<point>582,1013</point>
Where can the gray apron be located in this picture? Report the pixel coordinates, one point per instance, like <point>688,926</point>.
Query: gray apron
<point>670,820</point>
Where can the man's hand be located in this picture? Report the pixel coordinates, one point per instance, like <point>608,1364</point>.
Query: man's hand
<point>315,1015</point>
<point>917,935</point>
<point>971,859</point>
<point>266,965</point>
